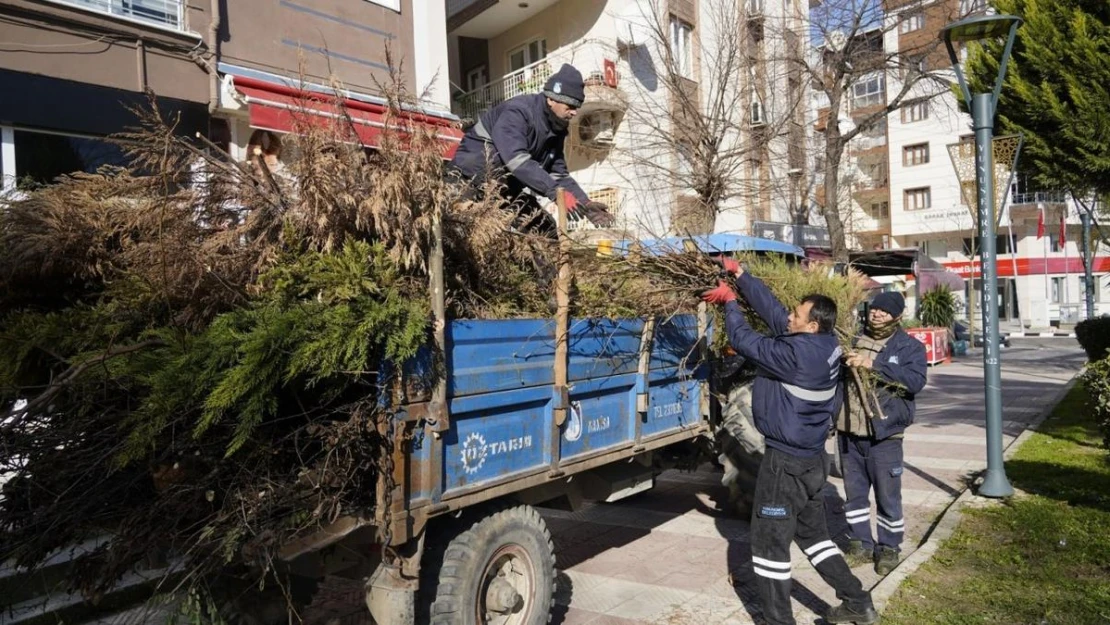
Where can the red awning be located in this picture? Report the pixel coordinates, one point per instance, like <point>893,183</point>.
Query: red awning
<point>278,107</point>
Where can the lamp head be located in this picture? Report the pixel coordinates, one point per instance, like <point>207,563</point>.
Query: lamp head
<point>980,28</point>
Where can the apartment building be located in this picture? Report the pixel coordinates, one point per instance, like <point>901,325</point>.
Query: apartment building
<point>1040,278</point>
<point>71,68</point>
<point>68,68</point>
<point>629,51</point>
<point>273,52</point>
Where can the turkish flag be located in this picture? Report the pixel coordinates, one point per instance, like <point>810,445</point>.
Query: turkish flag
<point>1063,229</point>
<point>1040,225</point>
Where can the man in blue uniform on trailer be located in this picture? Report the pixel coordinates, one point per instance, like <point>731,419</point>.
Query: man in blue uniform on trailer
<point>870,440</point>
<point>520,141</point>
<point>794,399</point>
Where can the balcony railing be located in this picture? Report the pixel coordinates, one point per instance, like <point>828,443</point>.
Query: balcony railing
<point>865,183</point>
<point>1040,197</point>
<point>166,13</point>
<point>587,57</point>
<point>863,142</point>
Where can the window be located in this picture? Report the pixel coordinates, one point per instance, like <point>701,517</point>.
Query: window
<point>1097,280</point>
<point>681,47</point>
<point>527,54</point>
<point>1054,242</point>
<point>912,22</point>
<point>40,157</point>
<point>973,6</point>
<point>874,174</point>
<point>161,12</point>
<point>389,4</point>
<point>913,65</point>
<point>936,248</point>
<point>878,210</point>
<point>918,199</point>
<point>868,92</point>
<point>917,154</point>
<point>7,159</point>
<point>915,112</point>
<point>476,78</point>
<point>1057,290</point>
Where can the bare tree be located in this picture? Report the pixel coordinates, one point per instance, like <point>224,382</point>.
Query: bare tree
<point>713,110</point>
<point>870,59</point>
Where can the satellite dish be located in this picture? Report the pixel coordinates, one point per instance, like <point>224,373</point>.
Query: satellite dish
<point>634,25</point>
<point>835,40</point>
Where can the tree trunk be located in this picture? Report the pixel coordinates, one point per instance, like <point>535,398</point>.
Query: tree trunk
<point>834,150</point>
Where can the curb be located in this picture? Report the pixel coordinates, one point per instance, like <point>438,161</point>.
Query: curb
<point>949,520</point>
<point>1043,335</point>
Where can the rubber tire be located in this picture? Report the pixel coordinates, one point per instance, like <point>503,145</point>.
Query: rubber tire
<point>741,449</point>
<point>467,554</point>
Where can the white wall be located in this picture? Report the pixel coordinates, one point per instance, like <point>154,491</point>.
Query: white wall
<point>429,25</point>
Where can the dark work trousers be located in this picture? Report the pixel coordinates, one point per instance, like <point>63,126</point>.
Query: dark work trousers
<point>530,217</point>
<point>868,463</point>
<point>789,507</point>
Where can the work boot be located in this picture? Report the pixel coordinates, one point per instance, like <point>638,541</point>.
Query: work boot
<point>886,558</point>
<point>844,614</point>
<point>857,554</point>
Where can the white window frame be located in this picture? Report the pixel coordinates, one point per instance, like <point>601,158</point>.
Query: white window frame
<point>872,93</point>
<point>7,159</point>
<point>526,49</point>
<point>480,71</point>
<point>911,23</point>
<point>681,42</point>
<point>394,5</point>
<point>114,8</point>
<point>1057,290</point>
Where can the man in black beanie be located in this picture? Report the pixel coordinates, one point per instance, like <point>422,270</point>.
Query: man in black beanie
<point>520,141</point>
<point>872,425</point>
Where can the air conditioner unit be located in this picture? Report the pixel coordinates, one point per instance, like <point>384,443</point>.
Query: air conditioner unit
<point>597,128</point>
<point>758,115</point>
<point>754,8</point>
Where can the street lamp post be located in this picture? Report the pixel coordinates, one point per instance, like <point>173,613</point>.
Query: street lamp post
<point>982,117</point>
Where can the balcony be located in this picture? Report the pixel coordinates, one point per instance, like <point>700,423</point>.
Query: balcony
<point>485,19</point>
<point>590,59</point>
<point>864,143</point>
<point>871,226</point>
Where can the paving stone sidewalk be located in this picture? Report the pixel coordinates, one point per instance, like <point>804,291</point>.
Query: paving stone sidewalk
<point>670,557</point>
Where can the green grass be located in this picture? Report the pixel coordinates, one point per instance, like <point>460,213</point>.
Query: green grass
<point>1039,558</point>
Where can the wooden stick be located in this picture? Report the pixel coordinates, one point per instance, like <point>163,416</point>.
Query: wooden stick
<point>440,418</point>
<point>562,314</point>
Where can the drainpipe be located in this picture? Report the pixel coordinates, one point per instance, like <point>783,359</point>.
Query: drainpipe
<point>214,49</point>
<point>140,54</point>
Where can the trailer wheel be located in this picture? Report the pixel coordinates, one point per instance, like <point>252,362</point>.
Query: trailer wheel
<point>741,449</point>
<point>498,571</point>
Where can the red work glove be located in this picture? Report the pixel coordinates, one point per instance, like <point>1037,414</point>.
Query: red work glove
<point>730,265</point>
<point>572,202</point>
<point>720,295</point>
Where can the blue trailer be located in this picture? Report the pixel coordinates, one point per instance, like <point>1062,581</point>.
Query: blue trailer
<point>523,419</point>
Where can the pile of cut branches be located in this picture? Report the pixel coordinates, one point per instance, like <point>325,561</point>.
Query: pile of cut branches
<point>191,347</point>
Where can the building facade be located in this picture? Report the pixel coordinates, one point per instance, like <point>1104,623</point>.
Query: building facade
<point>1040,277</point>
<point>647,64</point>
<point>72,67</point>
